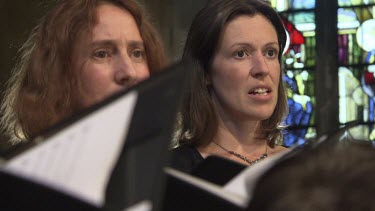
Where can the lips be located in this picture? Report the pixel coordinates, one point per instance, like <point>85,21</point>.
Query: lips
<point>260,91</point>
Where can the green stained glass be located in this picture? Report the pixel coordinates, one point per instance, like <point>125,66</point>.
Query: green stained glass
<point>310,51</point>
<point>343,3</point>
<point>363,132</point>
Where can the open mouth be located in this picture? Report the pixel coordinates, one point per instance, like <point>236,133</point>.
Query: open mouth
<point>260,91</point>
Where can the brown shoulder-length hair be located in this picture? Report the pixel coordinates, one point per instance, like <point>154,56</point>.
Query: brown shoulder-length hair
<point>198,122</point>
<point>44,87</point>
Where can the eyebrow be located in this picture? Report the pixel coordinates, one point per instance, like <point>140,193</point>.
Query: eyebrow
<point>250,45</point>
<point>131,43</point>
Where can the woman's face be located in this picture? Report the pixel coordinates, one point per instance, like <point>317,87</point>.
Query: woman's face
<point>114,59</point>
<point>245,72</point>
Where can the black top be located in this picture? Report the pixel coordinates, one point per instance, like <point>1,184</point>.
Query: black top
<point>185,158</point>
<point>218,170</point>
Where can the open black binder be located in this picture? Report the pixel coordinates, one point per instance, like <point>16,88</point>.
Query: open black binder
<point>217,170</point>
<point>214,184</point>
<point>135,174</point>
<point>212,174</point>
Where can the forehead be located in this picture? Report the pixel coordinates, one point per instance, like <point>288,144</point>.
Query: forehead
<point>107,8</point>
<point>112,15</point>
<point>104,16</point>
<point>249,27</point>
<point>111,24</point>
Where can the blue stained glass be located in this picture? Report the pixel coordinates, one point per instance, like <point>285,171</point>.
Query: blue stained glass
<point>347,19</point>
<point>292,85</point>
<point>346,15</point>
<point>284,5</point>
<point>300,112</point>
<point>370,57</point>
<point>291,139</point>
<point>371,109</point>
<point>303,4</point>
<point>299,116</point>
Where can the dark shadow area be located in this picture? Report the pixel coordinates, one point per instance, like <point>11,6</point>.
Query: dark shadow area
<point>18,17</point>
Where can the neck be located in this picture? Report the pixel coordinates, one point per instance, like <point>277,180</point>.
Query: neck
<point>239,138</point>
<point>238,133</point>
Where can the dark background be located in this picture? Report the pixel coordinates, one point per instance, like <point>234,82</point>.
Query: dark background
<point>18,18</point>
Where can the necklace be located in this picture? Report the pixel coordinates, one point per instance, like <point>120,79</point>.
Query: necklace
<point>251,162</point>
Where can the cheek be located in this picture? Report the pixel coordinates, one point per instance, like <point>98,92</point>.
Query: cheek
<point>143,72</point>
<point>231,76</point>
<point>220,70</point>
<point>226,83</point>
<point>276,73</point>
<point>94,78</point>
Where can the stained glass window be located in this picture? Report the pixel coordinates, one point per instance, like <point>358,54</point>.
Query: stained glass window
<point>356,55</point>
<point>299,62</point>
<point>290,5</point>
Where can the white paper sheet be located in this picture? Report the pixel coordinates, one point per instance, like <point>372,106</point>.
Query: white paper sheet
<point>79,159</point>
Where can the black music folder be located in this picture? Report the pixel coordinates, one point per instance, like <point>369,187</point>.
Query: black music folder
<point>215,184</point>
<point>108,157</point>
<point>203,188</point>
<point>217,170</point>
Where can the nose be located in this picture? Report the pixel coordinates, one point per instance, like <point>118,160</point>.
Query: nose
<point>125,73</point>
<point>259,65</point>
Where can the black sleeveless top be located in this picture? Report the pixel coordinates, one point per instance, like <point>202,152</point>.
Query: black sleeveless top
<point>185,158</point>
<point>215,169</point>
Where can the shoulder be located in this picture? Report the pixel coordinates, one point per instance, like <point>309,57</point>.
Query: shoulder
<point>185,158</point>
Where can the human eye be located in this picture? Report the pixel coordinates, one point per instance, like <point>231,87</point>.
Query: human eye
<point>101,54</point>
<point>271,53</point>
<point>240,54</point>
<point>138,55</point>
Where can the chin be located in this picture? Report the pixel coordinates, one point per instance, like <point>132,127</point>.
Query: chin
<point>261,116</point>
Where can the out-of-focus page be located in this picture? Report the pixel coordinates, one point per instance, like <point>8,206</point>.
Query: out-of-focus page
<point>141,206</point>
<point>79,159</point>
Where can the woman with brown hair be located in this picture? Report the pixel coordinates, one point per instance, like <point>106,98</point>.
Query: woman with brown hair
<point>81,52</point>
<point>236,100</point>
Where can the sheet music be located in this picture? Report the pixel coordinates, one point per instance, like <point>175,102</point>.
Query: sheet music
<point>79,159</point>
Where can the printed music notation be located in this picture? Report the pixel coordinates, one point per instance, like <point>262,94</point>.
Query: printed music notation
<point>79,159</point>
